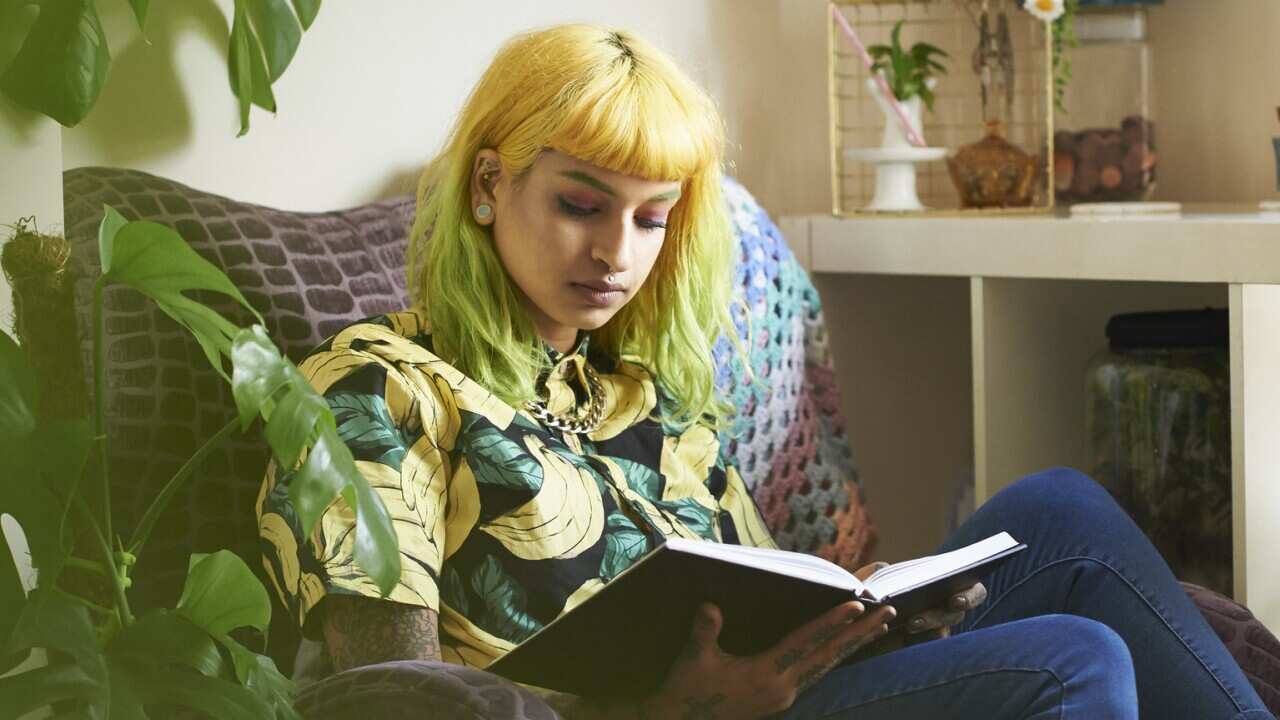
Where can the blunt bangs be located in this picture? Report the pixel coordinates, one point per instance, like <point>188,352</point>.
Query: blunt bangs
<point>631,122</point>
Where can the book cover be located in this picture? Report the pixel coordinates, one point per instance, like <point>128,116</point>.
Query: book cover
<point>621,641</point>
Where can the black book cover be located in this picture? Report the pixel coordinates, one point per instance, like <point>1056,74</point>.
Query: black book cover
<point>620,642</point>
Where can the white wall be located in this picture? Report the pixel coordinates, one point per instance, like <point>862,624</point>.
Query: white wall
<point>1216,65</point>
<point>372,91</point>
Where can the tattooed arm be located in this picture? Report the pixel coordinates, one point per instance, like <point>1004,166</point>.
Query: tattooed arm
<point>363,631</point>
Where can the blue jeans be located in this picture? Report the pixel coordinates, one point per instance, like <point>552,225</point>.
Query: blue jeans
<point>1087,622</point>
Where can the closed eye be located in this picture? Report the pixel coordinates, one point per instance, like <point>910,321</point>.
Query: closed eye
<point>575,210</point>
<point>579,211</point>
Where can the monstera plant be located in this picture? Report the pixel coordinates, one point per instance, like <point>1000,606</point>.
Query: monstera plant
<point>62,59</point>
<point>103,660</point>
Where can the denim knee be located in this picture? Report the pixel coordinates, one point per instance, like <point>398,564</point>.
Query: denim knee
<point>1094,665</point>
<point>1065,493</point>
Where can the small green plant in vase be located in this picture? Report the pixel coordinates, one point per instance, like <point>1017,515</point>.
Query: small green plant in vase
<point>910,73</point>
<point>105,657</point>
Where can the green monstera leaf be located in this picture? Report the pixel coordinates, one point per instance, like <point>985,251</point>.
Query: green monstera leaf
<point>623,545</point>
<point>505,602</point>
<point>498,460</point>
<point>62,65</point>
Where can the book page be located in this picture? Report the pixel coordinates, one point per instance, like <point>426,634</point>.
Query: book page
<point>900,576</point>
<point>782,562</point>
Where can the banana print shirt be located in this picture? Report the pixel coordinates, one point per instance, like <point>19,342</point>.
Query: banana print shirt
<point>502,524</point>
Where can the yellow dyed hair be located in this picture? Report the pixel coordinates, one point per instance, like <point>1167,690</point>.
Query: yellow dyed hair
<point>610,98</point>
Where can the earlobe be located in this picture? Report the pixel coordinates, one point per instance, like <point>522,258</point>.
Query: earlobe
<point>486,172</point>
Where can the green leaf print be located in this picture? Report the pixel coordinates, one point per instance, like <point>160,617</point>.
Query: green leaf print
<point>623,545</point>
<point>496,459</point>
<point>696,516</point>
<point>365,425</point>
<point>504,602</point>
<point>641,478</point>
<point>453,591</point>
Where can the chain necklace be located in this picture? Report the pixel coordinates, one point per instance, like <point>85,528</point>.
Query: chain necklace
<point>582,424</point>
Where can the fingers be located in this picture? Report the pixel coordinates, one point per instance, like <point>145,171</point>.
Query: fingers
<point>798,645</point>
<point>867,571</point>
<point>970,598</point>
<point>704,635</point>
<point>933,620</point>
<point>823,647</point>
<point>803,639</point>
<point>957,606</point>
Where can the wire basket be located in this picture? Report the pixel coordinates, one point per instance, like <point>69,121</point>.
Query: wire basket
<point>957,118</point>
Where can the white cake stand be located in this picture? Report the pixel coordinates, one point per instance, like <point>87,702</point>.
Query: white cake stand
<point>895,174</point>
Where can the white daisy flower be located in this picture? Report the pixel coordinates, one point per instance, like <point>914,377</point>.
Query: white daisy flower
<point>1046,10</point>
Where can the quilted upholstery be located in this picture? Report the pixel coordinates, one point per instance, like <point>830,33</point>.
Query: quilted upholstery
<point>420,689</point>
<point>1250,643</point>
<point>307,273</point>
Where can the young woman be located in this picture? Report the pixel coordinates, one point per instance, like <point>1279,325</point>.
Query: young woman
<point>545,414</point>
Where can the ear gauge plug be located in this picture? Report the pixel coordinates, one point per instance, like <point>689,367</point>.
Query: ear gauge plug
<point>484,211</point>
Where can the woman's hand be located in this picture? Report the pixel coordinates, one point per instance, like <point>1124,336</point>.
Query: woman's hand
<point>706,682</point>
<point>932,624</point>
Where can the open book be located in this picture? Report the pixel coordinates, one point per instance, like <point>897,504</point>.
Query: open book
<point>620,641</point>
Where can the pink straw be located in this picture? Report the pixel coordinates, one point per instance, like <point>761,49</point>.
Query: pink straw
<point>913,137</point>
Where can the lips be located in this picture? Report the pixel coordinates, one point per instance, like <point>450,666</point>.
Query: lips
<point>599,294</point>
<point>603,286</point>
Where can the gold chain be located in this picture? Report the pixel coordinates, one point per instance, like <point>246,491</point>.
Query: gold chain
<point>578,425</point>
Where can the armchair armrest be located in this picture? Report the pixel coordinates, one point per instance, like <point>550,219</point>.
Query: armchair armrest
<point>419,688</point>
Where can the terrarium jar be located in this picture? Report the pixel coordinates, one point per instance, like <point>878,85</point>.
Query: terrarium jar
<point>1105,146</point>
<point>1158,428</point>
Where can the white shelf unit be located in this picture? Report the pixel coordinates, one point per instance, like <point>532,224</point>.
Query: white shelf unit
<point>962,346</point>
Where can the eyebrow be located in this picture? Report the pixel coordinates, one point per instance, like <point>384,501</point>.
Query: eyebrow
<point>586,179</point>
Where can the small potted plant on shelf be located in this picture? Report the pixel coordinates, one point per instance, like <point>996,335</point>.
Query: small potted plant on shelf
<point>910,75</point>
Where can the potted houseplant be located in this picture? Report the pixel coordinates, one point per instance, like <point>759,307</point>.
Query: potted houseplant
<point>910,75</point>
<point>62,58</point>
<point>105,659</point>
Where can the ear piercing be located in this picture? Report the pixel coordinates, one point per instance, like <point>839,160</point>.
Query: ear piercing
<point>484,210</point>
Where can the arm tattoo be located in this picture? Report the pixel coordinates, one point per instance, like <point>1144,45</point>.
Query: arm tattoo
<point>362,631</point>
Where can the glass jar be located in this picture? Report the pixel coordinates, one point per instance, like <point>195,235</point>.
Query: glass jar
<point>1105,145</point>
<point>1158,428</point>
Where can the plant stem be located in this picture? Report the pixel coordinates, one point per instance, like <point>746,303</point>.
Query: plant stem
<point>99,409</point>
<point>92,605</point>
<point>162,500</point>
<point>117,584</point>
<point>89,565</point>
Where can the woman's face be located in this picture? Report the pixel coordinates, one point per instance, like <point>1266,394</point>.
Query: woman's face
<point>564,228</point>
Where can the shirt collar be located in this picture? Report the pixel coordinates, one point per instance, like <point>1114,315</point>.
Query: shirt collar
<point>579,348</point>
<point>566,375</point>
